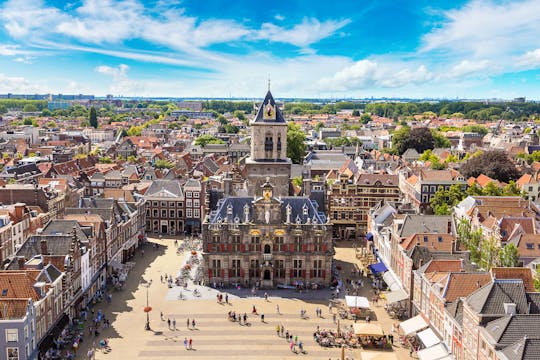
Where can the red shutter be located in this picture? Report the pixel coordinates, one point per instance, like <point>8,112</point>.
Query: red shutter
<point>209,273</point>
<point>311,274</point>
<point>230,272</point>
<point>324,248</point>
<point>324,274</point>
<point>304,248</point>
<point>304,274</point>
<point>242,247</point>
<point>275,247</point>
<point>230,247</point>
<point>221,247</point>
<point>241,272</point>
<point>222,273</point>
<point>209,247</point>
<point>291,273</point>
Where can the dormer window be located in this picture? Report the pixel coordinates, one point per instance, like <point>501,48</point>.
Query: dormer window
<point>305,210</point>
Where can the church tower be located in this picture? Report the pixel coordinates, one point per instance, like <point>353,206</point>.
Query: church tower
<point>268,157</point>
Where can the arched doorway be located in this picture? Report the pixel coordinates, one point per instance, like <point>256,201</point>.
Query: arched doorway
<point>267,275</point>
<point>267,249</point>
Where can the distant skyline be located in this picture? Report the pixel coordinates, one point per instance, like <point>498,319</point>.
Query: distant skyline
<point>309,49</point>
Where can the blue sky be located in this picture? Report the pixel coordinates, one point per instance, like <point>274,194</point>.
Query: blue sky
<point>212,48</point>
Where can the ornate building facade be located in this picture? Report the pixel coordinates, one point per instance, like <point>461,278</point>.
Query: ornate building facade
<point>267,239</point>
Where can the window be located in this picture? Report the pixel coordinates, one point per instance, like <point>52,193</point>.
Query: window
<point>154,203</point>
<point>432,189</point>
<point>235,241</point>
<point>171,213</point>
<point>188,213</point>
<point>12,335</point>
<point>196,203</point>
<point>179,204</point>
<point>216,239</point>
<point>279,265</point>
<point>188,194</point>
<point>439,238</point>
<point>163,213</point>
<point>196,213</point>
<point>279,243</point>
<point>297,268</point>
<point>196,194</point>
<point>171,204</point>
<point>530,246</point>
<point>163,204</point>
<point>317,244</point>
<point>148,212</point>
<point>155,212</point>
<point>235,266</point>
<point>12,353</point>
<point>188,203</point>
<point>317,268</point>
<point>255,243</point>
<point>254,268</point>
<point>26,332</point>
<point>425,239</point>
<point>297,243</point>
<point>216,267</point>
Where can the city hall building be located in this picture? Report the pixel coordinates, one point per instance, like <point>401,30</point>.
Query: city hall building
<point>267,238</point>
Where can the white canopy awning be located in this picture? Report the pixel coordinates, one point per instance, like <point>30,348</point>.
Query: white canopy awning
<point>368,329</point>
<point>115,264</point>
<point>413,325</point>
<point>396,296</point>
<point>428,338</point>
<point>436,352</point>
<point>357,302</point>
<point>391,281</point>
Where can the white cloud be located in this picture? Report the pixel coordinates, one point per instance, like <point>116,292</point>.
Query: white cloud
<point>485,28</point>
<point>15,84</point>
<point>279,17</point>
<point>529,60</point>
<point>466,68</point>
<point>24,59</point>
<point>121,84</point>
<point>308,32</point>
<point>367,73</point>
<point>13,50</point>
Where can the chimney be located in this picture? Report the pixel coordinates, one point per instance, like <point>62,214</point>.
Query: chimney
<point>19,211</point>
<point>452,247</point>
<point>44,247</point>
<point>21,261</point>
<point>449,230</point>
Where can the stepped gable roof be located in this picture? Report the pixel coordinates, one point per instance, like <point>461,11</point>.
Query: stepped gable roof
<point>268,111</point>
<point>523,349</point>
<point>490,298</point>
<point>510,328</point>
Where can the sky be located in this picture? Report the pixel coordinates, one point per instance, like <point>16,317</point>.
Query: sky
<point>320,49</point>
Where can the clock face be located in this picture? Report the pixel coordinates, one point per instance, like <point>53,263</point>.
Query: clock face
<point>269,112</point>
<point>267,194</point>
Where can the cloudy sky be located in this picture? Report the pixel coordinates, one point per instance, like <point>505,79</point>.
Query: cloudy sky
<point>213,48</point>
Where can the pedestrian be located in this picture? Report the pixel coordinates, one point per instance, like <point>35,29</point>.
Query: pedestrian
<point>174,324</point>
<point>187,323</point>
<point>161,315</point>
<point>245,319</point>
<point>292,347</point>
<point>90,354</point>
<point>266,296</point>
<point>334,318</point>
<point>277,309</point>
<point>368,319</point>
<point>254,311</point>
<point>227,298</point>
<point>190,344</point>
<point>193,323</point>
<point>185,343</point>
<point>169,323</point>
<point>217,297</point>
<point>296,339</point>
<point>161,278</point>
<point>300,347</point>
<point>262,317</point>
<point>282,329</point>
<point>277,330</point>
<point>287,335</point>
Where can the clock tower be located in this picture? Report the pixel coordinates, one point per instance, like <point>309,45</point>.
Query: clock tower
<point>268,157</point>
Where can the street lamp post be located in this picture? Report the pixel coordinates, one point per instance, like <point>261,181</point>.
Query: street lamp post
<point>147,309</point>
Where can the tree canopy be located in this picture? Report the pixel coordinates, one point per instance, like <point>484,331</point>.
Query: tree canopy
<point>493,163</point>
<point>420,138</point>
<point>204,140</point>
<point>296,146</point>
<point>93,118</point>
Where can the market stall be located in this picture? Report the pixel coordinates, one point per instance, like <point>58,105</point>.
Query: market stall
<point>359,302</point>
<point>413,325</point>
<point>436,352</point>
<point>428,338</point>
<point>396,296</point>
<point>391,281</point>
<point>368,329</point>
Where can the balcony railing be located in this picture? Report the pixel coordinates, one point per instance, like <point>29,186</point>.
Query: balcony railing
<point>267,257</point>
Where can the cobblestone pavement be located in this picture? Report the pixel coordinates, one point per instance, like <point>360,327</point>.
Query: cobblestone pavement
<point>214,336</point>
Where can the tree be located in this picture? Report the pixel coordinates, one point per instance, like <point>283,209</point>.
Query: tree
<point>509,256</point>
<point>239,114</point>
<point>319,125</point>
<point>489,252</point>
<point>493,163</point>
<point>296,146</point>
<point>400,139</point>
<point>444,200</point>
<point>46,112</point>
<point>105,160</point>
<point>365,118</point>
<point>203,140</point>
<point>93,118</point>
<point>356,113</point>
<point>163,164</point>
<point>134,131</point>
<point>132,158</point>
<point>439,140</point>
<point>30,108</point>
<point>27,121</point>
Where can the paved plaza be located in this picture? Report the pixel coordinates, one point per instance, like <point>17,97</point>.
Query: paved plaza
<point>215,336</point>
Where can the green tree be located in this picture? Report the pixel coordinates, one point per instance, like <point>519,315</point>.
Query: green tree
<point>512,189</point>
<point>93,118</point>
<point>296,146</point>
<point>163,164</point>
<point>474,245</point>
<point>51,124</point>
<point>319,125</point>
<point>239,114</point>
<point>46,112</point>
<point>134,131</point>
<point>439,140</point>
<point>400,139</point>
<point>30,108</point>
<point>365,118</point>
<point>27,121</point>
<point>105,160</point>
<point>203,140</point>
<point>444,200</point>
<point>132,158</point>
<point>489,252</point>
<point>297,181</point>
<point>356,113</point>
<point>509,256</point>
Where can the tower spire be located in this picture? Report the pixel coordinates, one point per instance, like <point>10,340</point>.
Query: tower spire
<point>268,82</point>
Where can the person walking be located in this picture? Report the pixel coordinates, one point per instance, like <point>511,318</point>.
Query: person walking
<point>262,317</point>
<point>296,339</point>
<point>277,309</point>
<point>277,330</point>
<point>161,315</point>
<point>282,329</point>
<point>174,324</point>
<point>245,319</point>
<point>300,347</point>
<point>334,318</point>
<point>190,344</point>
<point>266,296</point>
<point>169,323</point>
<point>287,335</point>
<point>187,323</point>
<point>185,343</point>
<point>193,323</point>
<point>227,298</point>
